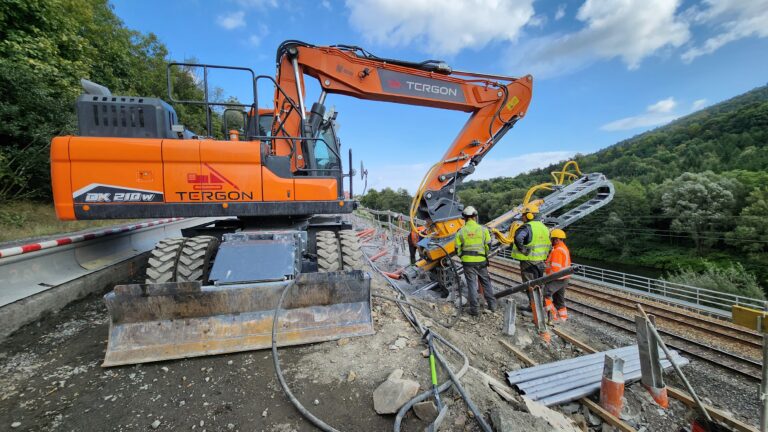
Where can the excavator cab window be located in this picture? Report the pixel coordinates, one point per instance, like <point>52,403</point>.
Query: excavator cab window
<point>327,160</point>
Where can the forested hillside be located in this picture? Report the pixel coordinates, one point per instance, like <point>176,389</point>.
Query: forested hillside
<point>46,47</point>
<point>691,194</point>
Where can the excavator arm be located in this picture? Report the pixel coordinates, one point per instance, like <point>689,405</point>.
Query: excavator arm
<point>495,104</point>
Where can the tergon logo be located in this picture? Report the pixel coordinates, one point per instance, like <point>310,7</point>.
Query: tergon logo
<point>435,89</point>
<point>209,187</point>
<point>411,85</point>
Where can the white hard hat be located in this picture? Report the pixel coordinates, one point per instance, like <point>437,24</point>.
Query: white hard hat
<point>469,211</point>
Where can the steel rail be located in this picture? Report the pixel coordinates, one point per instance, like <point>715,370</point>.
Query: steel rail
<point>705,324</point>
<point>742,365</point>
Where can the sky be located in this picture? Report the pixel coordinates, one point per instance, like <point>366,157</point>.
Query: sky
<point>604,70</point>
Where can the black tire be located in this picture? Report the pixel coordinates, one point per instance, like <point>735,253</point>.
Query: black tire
<point>328,257</point>
<point>351,252</point>
<point>161,267</point>
<point>196,259</point>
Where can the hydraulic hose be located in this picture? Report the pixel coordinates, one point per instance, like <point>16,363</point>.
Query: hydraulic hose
<point>454,379</point>
<point>441,388</point>
<point>276,360</point>
<point>478,415</point>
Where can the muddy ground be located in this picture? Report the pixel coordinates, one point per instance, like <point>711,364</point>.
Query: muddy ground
<point>51,378</point>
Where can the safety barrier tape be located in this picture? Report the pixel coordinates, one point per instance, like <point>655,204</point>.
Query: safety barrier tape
<point>47,244</point>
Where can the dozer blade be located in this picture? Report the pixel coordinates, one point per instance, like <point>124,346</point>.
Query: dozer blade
<point>185,319</point>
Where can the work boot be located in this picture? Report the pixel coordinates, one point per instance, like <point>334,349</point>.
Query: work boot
<point>493,307</point>
<point>563,312</point>
<point>551,311</point>
<point>473,311</point>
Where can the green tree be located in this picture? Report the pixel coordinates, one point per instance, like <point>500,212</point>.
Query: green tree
<point>388,199</point>
<point>699,204</point>
<point>751,233</point>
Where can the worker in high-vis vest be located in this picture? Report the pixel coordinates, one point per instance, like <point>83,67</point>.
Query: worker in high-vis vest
<point>473,241</point>
<point>532,244</point>
<point>554,291</point>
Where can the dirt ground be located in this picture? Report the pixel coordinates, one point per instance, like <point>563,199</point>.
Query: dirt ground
<point>51,378</point>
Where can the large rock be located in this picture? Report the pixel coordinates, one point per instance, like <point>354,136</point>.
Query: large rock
<point>394,393</point>
<point>425,411</point>
<point>508,420</point>
<point>558,421</point>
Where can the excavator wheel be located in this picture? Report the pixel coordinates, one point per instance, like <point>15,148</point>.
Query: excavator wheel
<point>196,258</point>
<point>161,267</point>
<point>328,259</point>
<point>351,252</point>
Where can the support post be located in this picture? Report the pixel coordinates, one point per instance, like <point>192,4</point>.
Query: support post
<point>650,364</point>
<point>764,388</point>
<point>539,317</point>
<point>510,315</point>
<point>612,385</point>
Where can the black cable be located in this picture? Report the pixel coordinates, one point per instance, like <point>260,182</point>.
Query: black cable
<point>455,380</point>
<point>460,389</point>
<point>460,306</point>
<point>276,360</point>
<point>441,388</point>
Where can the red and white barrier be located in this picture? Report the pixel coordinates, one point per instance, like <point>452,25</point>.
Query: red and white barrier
<point>47,244</point>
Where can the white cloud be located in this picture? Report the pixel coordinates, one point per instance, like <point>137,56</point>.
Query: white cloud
<point>663,106</point>
<point>231,21</point>
<point>256,38</point>
<point>631,30</point>
<point>326,4</point>
<point>654,115</point>
<point>698,104</point>
<point>560,13</point>
<point>409,176</point>
<point>444,28</point>
<point>732,19</point>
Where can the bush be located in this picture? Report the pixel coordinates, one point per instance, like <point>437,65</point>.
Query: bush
<point>733,279</point>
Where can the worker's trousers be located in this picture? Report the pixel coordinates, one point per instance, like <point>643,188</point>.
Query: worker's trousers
<point>412,252</point>
<point>530,270</point>
<point>473,272</point>
<point>556,290</point>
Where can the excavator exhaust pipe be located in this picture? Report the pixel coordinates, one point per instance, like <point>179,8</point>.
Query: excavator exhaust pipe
<point>155,322</point>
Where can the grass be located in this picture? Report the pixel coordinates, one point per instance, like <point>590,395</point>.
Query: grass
<point>20,220</point>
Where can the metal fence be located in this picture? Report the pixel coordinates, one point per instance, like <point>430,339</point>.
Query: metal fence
<point>710,301</point>
<point>714,302</point>
<point>389,220</point>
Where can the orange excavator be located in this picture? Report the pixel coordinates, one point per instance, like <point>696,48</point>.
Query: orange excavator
<point>277,192</point>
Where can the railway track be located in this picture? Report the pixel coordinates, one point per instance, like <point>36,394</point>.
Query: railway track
<point>506,275</point>
<point>683,317</point>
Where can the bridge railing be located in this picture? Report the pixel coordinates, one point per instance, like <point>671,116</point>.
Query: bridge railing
<point>715,302</point>
<point>390,220</point>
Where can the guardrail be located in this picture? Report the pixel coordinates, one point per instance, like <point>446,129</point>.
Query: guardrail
<point>714,302</point>
<point>385,218</point>
<point>41,277</point>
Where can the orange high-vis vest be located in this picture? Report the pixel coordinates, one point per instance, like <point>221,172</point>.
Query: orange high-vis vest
<point>558,259</point>
<point>414,237</point>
